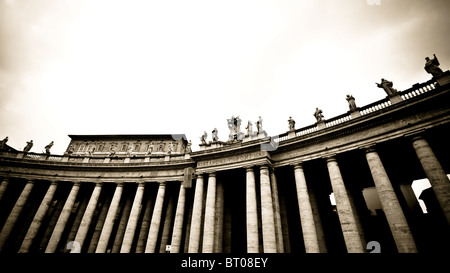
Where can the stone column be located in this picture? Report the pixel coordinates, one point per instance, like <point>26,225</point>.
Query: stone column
<point>15,213</point>
<point>62,220</point>
<point>306,213</point>
<point>156,219</point>
<point>435,173</point>
<point>178,224</point>
<point>3,187</point>
<point>87,217</point>
<point>145,225</point>
<point>99,225</point>
<point>267,215</point>
<point>347,219</point>
<point>37,220</point>
<point>167,226</point>
<point>251,210</point>
<point>196,220</point>
<point>390,204</point>
<point>218,229</point>
<point>277,214</point>
<point>210,214</point>
<point>124,216</point>
<point>109,221</point>
<point>133,219</point>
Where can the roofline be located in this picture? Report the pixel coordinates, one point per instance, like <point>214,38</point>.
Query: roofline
<point>131,136</point>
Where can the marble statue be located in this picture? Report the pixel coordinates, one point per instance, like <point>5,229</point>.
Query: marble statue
<point>3,142</point>
<point>48,147</point>
<point>387,87</point>
<point>203,137</point>
<point>318,114</point>
<point>432,66</point>
<point>28,146</point>
<point>351,102</point>
<point>249,128</point>
<point>291,124</point>
<point>215,136</point>
<point>259,125</point>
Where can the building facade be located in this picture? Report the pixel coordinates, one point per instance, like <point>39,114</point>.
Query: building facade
<point>251,194</point>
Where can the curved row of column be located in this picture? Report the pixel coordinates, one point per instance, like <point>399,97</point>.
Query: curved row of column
<point>204,230</point>
<point>128,222</point>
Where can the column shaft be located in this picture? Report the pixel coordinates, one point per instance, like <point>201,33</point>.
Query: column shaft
<point>267,215</point>
<point>218,229</point>
<point>120,233</point>
<point>194,236</point>
<point>3,187</point>
<point>210,214</point>
<point>87,217</point>
<point>167,227</point>
<point>179,218</point>
<point>252,216</point>
<point>277,214</point>
<point>435,173</point>
<point>15,213</point>
<point>145,226</point>
<point>133,219</point>
<point>347,219</point>
<point>390,204</point>
<point>37,220</point>
<point>156,219</point>
<point>109,221</point>
<point>99,226</point>
<point>306,213</point>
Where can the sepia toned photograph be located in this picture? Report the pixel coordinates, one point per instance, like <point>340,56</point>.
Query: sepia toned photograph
<point>239,129</point>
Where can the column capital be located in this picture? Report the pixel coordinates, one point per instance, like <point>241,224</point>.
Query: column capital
<point>264,167</point>
<point>331,158</point>
<point>249,168</point>
<point>98,184</point>
<point>162,183</point>
<point>53,182</point>
<point>141,184</point>
<point>415,135</point>
<point>369,149</point>
<point>212,174</point>
<point>298,165</point>
<point>77,183</point>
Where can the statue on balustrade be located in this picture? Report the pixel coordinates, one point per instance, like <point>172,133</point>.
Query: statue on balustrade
<point>249,128</point>
<point>432,66</point>
<point>318,115</point>
<point>215,136</point>
<point>27,148</point>
<point>234,124</point>
<point>203,137</point>
<point>387,87</point>
<point>3,143</point>
<point>48,147</point>
<point>351,102</point>
<point>259,128</point>
<point>291,124</point>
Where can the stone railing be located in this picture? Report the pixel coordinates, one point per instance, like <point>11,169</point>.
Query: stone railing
<point>415,90</point>
<point>92,159</point>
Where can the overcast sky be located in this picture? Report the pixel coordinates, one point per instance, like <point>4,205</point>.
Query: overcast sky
<point>149,67</point>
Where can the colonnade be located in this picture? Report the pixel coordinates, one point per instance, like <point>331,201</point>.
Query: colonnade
<point>148,224</point>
